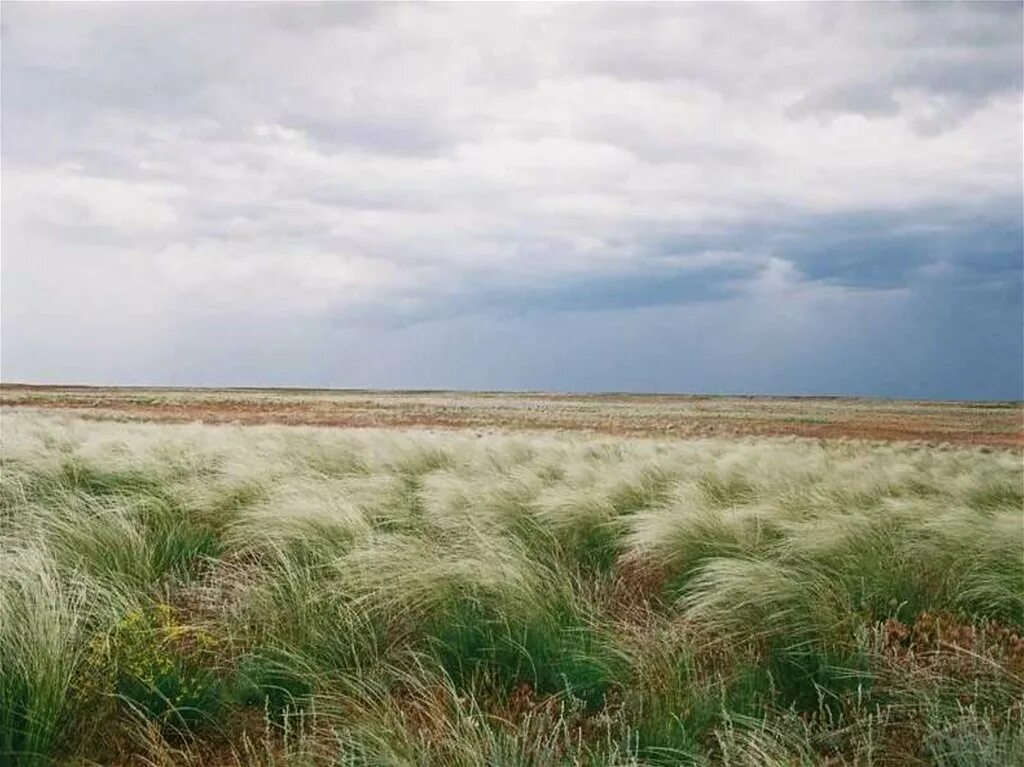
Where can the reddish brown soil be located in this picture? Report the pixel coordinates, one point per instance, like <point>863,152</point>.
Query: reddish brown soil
<point>985,424</point>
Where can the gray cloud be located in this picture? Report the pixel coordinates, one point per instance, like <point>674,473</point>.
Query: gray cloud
<point>390,176</point>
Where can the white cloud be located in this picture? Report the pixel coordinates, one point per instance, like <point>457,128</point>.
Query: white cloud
<point>348,160</point>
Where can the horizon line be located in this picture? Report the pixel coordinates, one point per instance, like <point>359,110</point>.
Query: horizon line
<point>506,392</point>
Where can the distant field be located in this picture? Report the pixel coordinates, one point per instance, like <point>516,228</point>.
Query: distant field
<point>187,594</point>
<point>997,424</point>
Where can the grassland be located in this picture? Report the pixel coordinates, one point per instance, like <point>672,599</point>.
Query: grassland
<point>291,595</point>
<point>997,424</point>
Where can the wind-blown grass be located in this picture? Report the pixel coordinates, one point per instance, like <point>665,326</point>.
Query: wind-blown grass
<point>40,638</point>
<point>268,595</point>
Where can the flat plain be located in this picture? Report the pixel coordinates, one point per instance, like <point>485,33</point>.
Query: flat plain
<point>250,577</point>
<point>652,415</point>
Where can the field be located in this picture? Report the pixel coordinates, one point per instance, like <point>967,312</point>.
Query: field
<point>999,424</point>
<point>508,580</point>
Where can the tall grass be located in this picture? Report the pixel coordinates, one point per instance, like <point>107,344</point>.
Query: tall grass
<point>266,595</point>
<point>46,619</point>
<point>40,638</point>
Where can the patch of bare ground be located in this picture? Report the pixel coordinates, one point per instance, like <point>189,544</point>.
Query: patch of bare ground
<point>997,425</point>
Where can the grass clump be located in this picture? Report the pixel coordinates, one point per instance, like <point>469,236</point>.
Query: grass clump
<point>41,628</point>
<point>216,595</point>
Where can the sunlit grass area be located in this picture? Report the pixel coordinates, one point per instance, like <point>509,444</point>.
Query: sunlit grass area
<point>216,595</point>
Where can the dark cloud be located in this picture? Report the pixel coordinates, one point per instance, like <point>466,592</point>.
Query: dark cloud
<point>888,250</point>
<point>668,196</point>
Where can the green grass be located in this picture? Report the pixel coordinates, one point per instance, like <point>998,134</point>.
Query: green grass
<point>271,596</point>
<point>40,637</point>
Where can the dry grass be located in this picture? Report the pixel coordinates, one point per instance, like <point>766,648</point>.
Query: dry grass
<point>214,595</point>
<point>997,424</point>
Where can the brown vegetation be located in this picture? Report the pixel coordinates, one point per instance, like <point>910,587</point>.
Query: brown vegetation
<point>994,424</point>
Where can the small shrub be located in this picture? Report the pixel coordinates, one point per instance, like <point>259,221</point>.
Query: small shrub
<point>158,667</point>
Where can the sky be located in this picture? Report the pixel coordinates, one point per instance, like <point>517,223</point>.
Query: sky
<point>710,198</point>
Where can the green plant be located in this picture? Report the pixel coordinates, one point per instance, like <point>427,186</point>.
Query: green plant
<point>41,624</point>
<point>450,599</point>
<point>158,667</point>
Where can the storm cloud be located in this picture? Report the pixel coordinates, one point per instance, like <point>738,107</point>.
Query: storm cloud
<point>778,198</point>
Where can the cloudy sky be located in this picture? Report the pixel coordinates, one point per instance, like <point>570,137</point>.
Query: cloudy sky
<point>773,198</point>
